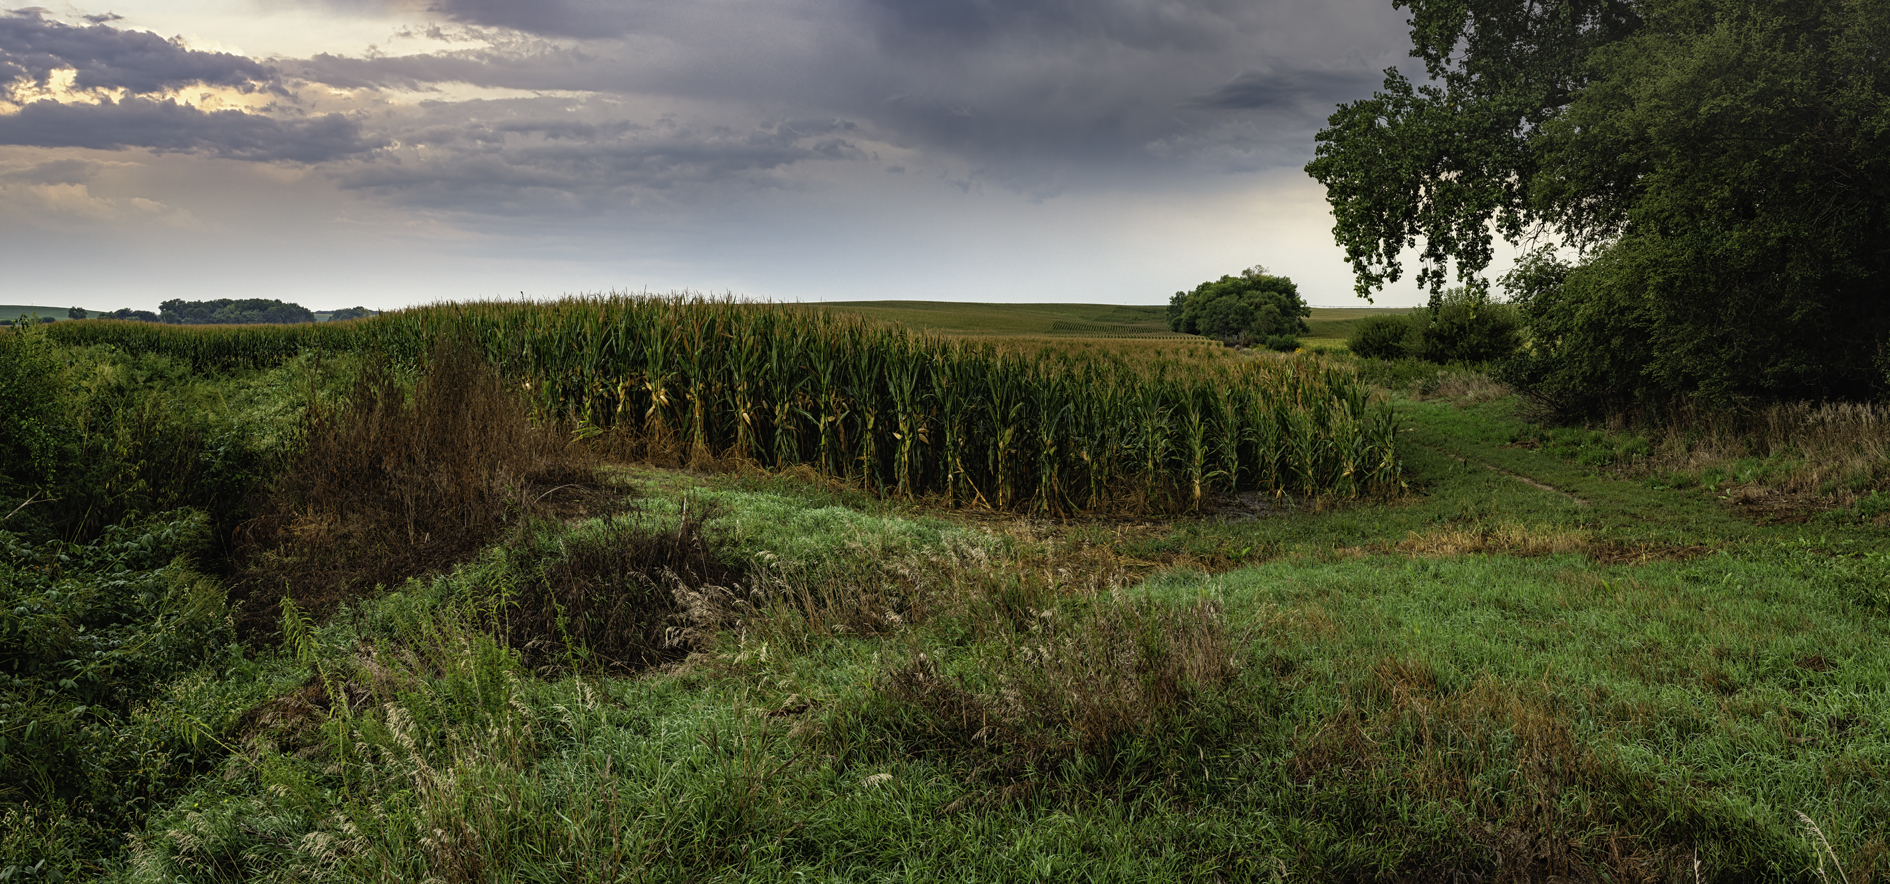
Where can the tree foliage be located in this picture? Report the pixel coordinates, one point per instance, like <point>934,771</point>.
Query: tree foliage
<point>351,313</point>
<point>1722,167</point>
<point>1255,308</point>
<point>226,311</point>
<point>1381,337</point>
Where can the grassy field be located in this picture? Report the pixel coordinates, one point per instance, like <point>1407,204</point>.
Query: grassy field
<point>15,311</point>
<point>1533,664</point>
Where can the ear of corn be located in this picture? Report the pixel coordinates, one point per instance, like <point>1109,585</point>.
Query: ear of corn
<point>905,414</point>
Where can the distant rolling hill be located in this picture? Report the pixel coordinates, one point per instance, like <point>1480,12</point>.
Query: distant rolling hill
<point>1330,325</point>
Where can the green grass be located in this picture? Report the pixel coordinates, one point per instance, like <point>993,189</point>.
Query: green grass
<point>1391,716</point>
<point>1528,667</point>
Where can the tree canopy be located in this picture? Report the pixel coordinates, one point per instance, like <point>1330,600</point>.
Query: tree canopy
<point>1721,167</point>
<point>226,311</point>
<point>1254,308</point>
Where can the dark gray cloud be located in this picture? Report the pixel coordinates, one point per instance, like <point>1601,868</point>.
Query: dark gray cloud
<point>169,127</point>
<point>1196,25</point>
<point>514,158</point>
<point>1269,90</point>
<point>33,46</point>
<point>658,101</point>
<point>583,19</point>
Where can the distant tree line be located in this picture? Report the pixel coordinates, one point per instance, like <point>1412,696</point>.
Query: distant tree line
<point>224,311</point>
<point>227,311</point>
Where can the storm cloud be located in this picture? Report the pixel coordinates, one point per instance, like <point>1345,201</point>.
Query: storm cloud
<point>166,126</point>
<point>612,126</point>
<point>32,47</point>
<point>1267,90</point>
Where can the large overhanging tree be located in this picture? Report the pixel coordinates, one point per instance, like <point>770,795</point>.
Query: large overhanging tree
<point>1721,166</point>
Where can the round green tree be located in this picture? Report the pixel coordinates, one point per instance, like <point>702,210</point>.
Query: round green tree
<point>1254,309</point>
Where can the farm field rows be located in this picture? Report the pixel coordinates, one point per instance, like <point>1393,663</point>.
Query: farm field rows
<point>1511,665</point>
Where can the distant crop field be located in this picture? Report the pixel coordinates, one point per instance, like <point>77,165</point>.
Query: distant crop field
<point>991,423</point>
<point>1039,320</point>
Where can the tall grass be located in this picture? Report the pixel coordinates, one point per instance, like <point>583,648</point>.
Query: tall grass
<point>695,380</point>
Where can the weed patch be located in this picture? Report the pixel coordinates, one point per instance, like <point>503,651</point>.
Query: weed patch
<point>620,596</point>
<point>1069,690</point>
<point>389,486</point>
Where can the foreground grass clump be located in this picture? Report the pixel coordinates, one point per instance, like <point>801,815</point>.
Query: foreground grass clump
<point>689,380</point>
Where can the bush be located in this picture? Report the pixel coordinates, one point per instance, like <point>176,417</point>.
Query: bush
<point>1252,309</point>
<point>1466,326</point>
<point>1381,337</point>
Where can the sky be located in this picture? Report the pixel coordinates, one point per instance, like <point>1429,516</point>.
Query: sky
<point>391,152</point>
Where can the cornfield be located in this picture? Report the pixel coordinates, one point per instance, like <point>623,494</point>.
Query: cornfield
<point>874,404</point>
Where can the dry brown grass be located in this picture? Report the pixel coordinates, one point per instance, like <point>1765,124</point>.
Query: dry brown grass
<point>1501,538</point>
<point>390,486</point>
<point>1517,539</point>
<point>625,596</point>
<point>1465,388</point>
<point>1828,452</point>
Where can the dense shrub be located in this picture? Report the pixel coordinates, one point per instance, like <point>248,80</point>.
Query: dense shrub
<point>1620,335</point>
<point>90,436</point>
<point>1381,337</point>
<point>1467,326</point>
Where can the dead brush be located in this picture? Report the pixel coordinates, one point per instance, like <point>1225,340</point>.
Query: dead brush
<point>389,486</point>
<point>1500,538</point>
<point>1463,388</point>
<point>1833,450</point>
<point>1072,683</point>
<point>625,596</point>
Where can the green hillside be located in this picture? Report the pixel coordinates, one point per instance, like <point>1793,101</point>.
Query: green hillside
<point>15,311</point>
<point>1330,325</point>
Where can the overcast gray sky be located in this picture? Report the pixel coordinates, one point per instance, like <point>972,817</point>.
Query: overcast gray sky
<point>388,152</point>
